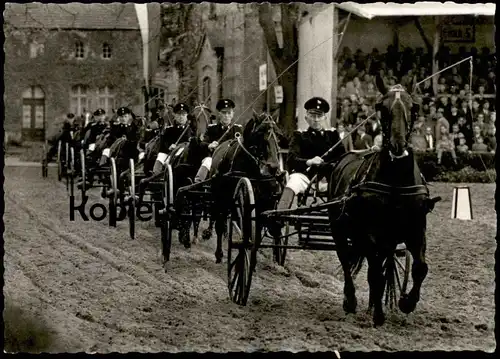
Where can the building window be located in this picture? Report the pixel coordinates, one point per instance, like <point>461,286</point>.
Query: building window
<point>33,125</point>
<point>36,49</point>
<point>106,51</point>
<point>79,50</point>
<point>207,91</point>
<point>79,99</point>
<point>156,96</point>
<point>106,99</point>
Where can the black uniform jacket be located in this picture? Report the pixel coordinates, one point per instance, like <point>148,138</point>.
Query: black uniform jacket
<point>92,131</point>
<point>171,134</point>
<point>311,143</point>
<point>214,133</point>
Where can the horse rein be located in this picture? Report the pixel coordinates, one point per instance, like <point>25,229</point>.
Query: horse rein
<point>397,89</point>
<point>238,137</point>
<point>187,126</point>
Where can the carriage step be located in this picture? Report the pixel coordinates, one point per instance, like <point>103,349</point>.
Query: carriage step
<point>308,218</point>
<point>315,233</point>
<point>316,238</point>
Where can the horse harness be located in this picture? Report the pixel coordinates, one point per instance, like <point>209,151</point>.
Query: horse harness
<point>267,121</point>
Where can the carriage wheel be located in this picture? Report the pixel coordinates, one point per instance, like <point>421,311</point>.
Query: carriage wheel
<point>67,165</point>
<point>396,275</point>
<point>45,160</point>
<point>59,163</point>
<point>242,239</point>
<point>166,224</point>
<point>113,199</point>
<point>82,166</point>
<point>131,208</point>
<point>280,253</point>
<point>71,171</point>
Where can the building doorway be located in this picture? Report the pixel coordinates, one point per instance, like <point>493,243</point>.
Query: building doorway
<point>33,125</point>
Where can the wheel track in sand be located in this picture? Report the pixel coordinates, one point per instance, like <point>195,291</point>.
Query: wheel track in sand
<point>130,271</point>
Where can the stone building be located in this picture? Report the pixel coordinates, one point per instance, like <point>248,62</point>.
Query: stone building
<point>70,58</point>
<point>230,49</point>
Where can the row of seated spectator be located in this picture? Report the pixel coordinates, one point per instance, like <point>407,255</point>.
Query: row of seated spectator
<point>455,103</point>
<point>434,135</point>
<point>409,65</point>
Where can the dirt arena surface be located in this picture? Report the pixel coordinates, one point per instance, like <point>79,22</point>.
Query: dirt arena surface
<point>101,292</point>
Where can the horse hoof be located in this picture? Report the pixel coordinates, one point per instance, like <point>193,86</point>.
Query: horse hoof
<point>378,319</point>
<point>350,306</point>
<point>206,235</point>
<point>194,240</point>
<point>406,305</point>
<point>218,260</point>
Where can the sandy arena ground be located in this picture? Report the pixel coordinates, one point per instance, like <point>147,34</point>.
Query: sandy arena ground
<point>102,292</point>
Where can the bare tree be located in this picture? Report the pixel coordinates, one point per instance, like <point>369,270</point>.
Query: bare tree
<point>283,58</point>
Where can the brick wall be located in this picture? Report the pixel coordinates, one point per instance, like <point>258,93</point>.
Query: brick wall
<point>56,70</point>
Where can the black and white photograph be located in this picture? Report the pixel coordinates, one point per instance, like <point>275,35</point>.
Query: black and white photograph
<point>249,177</point>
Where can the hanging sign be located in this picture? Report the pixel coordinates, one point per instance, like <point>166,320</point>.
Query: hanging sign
<point>278,94</point>
<point>262,77</point>
<point>458,29</point>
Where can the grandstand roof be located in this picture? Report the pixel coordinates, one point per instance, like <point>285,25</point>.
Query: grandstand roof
<point>420,8</point>
<point>111,16</point>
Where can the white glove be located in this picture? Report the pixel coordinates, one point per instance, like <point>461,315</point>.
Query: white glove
<point>92,147</point>
<point>213,145</point>
<point>315,161</point>
<point>141,155</point>
<point>172,146</point>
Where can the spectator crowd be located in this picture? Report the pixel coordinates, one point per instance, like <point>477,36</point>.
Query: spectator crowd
<point>446,122</point>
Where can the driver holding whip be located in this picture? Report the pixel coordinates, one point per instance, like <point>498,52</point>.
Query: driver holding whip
<point>172,135</point>
<point>211,139</point>
<point>310,148</point>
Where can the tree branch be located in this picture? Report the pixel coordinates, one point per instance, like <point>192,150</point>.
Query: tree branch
<point>422,34</point>
<point>267,24</point>
<point>289,17</point>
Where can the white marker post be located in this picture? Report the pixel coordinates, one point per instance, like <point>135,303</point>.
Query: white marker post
<point>461,207</point>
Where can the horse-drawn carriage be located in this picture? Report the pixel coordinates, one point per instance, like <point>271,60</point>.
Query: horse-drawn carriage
<point>373,202</point>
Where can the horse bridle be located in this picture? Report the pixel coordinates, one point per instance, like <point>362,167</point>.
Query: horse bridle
<point>267,121</point>
<point>397,89</point>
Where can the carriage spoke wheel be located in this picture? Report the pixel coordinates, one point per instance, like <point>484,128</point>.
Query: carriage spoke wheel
<point>45,160</point>
<point>66,165</point>
<point>59,161</point>
<point>113,199</point>
<point>71,171</point>
<point>242,243</point>
<point>396,269</point>
<point>166,220</point>
<point>84,175</point>
<point>279,253</point>
<point>131,204</point>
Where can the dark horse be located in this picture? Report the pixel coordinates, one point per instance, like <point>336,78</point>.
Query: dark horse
<point>388,204</point>
<point>254,155</point>
<point>184,160</point>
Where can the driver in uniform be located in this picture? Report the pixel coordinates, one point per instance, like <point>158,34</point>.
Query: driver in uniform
<point>307,148</point>
<point>171,136</point>
<point>94,129</point>
<point>64,135</point>
<point>212,137</point>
